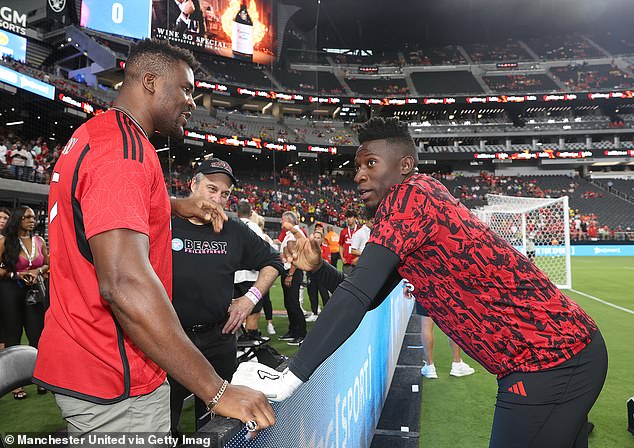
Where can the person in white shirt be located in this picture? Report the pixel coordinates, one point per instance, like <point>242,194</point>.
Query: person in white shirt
<point>243,280</point>
<point>3,151</point>
<point>360,238</point>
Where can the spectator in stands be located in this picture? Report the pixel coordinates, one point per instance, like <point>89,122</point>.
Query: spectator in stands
<point>332,238</point>
<point>3,151</point>
<point>345,239</point>
<point>24,261</point>
<point>19,156</point>
<point>210,308</point>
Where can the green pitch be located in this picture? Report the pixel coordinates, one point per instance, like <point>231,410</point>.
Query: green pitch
<point>459,411</point>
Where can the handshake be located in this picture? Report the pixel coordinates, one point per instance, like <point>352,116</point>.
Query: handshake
<point>277,386</point>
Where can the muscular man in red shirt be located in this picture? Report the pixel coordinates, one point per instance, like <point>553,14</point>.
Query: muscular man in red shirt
<point>111,331</point>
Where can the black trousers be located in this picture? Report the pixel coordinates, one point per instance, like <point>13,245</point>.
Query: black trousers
<point>549,409</point>
<point>334,258</point>
<point>240,289</point>
<point>314,289</point>
<point>220,350</point>
<point>296,319</point>
<point>15,314</point>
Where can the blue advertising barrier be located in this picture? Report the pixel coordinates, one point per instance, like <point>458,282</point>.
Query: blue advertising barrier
<point>25,82</point>
<point>602,251</point>
<point>584,251</point>
<point>341,404</point>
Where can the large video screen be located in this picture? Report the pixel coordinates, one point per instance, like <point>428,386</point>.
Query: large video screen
<point>13,45</point>
<point>239,29</point>
<point>123,17</point>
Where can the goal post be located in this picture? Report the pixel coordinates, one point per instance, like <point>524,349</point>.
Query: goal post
<point>538,228</point>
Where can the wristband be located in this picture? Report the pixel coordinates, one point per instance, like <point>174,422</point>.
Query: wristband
<point>251,297</point>
<point>214,401</point>
<point>256,292</point>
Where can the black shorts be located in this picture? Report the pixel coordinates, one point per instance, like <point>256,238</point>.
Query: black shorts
<point>550,408</point>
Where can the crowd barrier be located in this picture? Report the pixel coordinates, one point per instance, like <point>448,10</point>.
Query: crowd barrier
<point>341,404</point>
<point>608,250</point>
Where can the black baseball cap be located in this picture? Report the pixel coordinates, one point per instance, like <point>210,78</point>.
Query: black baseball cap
<point>213,166</point>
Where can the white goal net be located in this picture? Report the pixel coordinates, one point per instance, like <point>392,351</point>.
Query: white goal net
<point>538,228</point>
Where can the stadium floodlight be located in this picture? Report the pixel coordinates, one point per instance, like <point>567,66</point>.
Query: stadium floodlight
<point>538,228</point>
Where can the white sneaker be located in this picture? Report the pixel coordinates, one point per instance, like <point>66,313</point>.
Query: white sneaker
<point>429,371</point>
<point>311,318</point>
<point>461,369</point>
<point>270,329</point>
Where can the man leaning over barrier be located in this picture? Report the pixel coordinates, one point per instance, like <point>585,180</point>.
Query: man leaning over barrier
<point>547,353</point>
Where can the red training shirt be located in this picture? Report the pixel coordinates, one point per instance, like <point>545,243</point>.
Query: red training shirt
<point>345,239</point>
<point>325,251</point>
<point>490,299</point>
<point>107,177</point>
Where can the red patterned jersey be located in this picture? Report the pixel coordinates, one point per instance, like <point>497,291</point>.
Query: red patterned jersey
<point>108,177</point>
<point>490,299</point>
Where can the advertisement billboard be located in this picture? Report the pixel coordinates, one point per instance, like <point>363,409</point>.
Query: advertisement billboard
<point>13,46</point>
<point>238,29</point>
<point>341,404</point>
<point>27,83</point>
<point>129,18</point>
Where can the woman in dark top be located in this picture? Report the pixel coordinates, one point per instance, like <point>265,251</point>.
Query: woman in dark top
<point>23,258</point>
<point>5,214</point>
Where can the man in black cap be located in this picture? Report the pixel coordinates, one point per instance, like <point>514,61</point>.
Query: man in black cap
<point>204,264</point>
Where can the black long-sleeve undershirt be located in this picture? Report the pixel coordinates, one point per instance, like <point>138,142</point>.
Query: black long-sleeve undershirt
<point>365,289</point>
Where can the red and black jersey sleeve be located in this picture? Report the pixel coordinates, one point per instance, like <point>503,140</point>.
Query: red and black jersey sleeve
<point>400,223</point>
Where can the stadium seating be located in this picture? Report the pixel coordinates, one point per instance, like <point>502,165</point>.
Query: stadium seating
<point>378,86</point>
<point>325,83</point>
<point>611,210</point>
<point>571,46</point>
<point>616,45</point>
<point>235,72</point>
<point>590,77</point>
<point>453,82</point>
<point>509,51</point>
<point>520,83</point>
<point>449,55</point>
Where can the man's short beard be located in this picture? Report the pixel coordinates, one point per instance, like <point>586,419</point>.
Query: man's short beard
<point>369,212</point>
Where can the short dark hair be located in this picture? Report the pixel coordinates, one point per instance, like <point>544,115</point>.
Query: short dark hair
<point>351,214</point>
<point>156,55</point>
<point>244,209</point>
<point>391,129</point>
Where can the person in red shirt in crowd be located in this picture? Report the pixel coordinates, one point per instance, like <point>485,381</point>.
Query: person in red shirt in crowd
<point>111,332</point>
<point>546,351</point>
<point>345,239</point>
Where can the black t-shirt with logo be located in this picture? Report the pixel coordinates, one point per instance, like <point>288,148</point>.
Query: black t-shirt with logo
<point>204,264</point>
